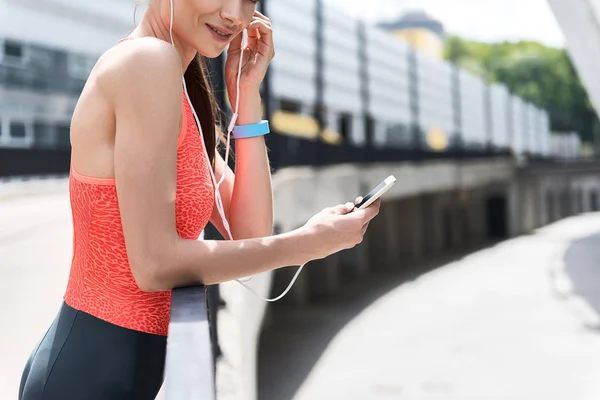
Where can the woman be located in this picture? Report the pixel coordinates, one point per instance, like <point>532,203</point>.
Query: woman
<point>142,191</point>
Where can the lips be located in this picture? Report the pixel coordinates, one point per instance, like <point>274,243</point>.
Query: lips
<point>219,33</point>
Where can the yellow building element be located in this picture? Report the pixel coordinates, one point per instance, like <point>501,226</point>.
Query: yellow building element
<point>437,139</point>
<point>292,124</point>
<point>331,137</point>
<point>423,40</point>
<point>302,126</point>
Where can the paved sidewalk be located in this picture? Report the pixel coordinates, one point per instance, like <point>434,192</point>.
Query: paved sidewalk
<point>515,321</point>
<point>35,255</point>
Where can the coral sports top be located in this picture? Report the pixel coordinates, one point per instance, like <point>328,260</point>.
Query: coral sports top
<point>101,282</point>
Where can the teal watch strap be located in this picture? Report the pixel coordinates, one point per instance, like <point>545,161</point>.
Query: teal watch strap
<point>251,130</point>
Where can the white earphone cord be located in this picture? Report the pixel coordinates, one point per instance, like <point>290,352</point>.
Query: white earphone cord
<point>218,201</point>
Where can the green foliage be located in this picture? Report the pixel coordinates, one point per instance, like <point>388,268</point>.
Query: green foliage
<point>539,74</point>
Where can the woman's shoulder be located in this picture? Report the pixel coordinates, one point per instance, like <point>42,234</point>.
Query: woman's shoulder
<point>138,62</point>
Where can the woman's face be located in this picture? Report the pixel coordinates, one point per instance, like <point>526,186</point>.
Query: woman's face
<point>210,25</point>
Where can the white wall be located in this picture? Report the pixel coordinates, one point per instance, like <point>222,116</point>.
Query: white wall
<point>388,71</point>
<point>473,111</point>
<point>532,137</point>
<point>518,142</point>
<point>545,132</point>
<point>342,69</point>
<point>77,25</point>
<point>293,70</point>
<point>435,94</point>
<point>500,112</point>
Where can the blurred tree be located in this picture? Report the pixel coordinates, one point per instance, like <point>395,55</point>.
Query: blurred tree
<point>539,74</point>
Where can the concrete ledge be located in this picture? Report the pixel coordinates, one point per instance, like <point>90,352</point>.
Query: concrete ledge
<point>300,192</point>
<point>189,363</point>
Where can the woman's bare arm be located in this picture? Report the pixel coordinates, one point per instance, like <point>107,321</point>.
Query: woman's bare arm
<point>247,196</point>
<point>144,85</point>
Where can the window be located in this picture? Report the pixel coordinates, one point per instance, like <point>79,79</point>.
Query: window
<point>398,135</point>
<point>12,53</point>
<point>44,135</point>
<point>17,133</point>
<point>12,49</point>
<point>290,106</point>
<point>17,130</point>
<point>64,136</point>
<point>42,58</point>
<point>594,201</point>
<point>370,131</point>
<point>79,65</point>
<point>320,113</point>
<point>345,126</point>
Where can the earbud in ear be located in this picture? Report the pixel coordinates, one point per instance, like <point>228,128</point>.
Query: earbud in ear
<point>244,38</point>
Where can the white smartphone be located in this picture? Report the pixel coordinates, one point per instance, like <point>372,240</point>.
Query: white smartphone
<point>376,193</point>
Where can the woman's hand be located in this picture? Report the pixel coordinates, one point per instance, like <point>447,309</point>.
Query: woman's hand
<point>257,55</point>
<point>338,228</point>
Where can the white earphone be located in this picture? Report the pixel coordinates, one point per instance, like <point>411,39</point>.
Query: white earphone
<point>218,201</point>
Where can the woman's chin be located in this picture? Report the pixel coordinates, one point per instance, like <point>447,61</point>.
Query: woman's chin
<point>210,48</point>
<point>211,51</point>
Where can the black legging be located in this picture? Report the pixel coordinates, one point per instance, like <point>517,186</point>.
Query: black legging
<point>84,358</point>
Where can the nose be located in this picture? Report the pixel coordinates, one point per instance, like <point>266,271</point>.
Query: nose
<point>232,11</point>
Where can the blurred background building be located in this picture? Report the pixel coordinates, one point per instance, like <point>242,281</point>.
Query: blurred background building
<point>47,50</point>
<point>340,92</point>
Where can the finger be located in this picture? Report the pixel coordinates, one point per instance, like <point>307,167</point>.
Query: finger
<point>253,42</point>
<point>372,211</point>
<point>265,44</point>
<point>339,209</point>
<point>260,38</point>
<point>260,25</point>
<point>358,200</point>
<point>235,45</point>
<point>357,218</point>
<point>349,207</point>
<point>259,15</point>
<point>342,208</point>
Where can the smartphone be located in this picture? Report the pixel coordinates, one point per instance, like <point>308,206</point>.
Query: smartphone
<point>376,193</point>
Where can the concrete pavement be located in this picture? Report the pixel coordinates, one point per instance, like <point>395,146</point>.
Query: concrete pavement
<point>518,320</point>
<point>35,255</point>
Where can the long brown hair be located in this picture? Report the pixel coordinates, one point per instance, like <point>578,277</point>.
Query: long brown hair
<point>203,100</point>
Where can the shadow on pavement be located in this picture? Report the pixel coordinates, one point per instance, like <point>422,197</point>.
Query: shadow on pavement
<point>293,340</point>
<point>583,269</point>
